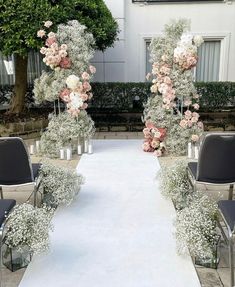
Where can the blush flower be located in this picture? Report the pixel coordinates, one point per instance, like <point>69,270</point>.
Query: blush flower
<point>48,24</point>
<point>41,33</point>
<point>195,138</point>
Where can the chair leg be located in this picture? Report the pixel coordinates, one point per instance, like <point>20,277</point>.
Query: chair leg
<point>231,261</point>
<point>230,193</point>
<point>1,257</point>
<point>1,193</point>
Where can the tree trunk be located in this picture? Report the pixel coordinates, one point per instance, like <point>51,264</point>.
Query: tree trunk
<point>20,88</point>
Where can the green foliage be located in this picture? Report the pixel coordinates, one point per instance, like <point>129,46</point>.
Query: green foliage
<point>120,96</point>
<point>21,19</point>
<point>216,95</point>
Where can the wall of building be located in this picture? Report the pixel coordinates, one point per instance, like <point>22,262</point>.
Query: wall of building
<point>140,22</point>
<point>111,65</point>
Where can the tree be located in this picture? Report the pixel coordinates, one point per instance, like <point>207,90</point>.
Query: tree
<point>21,19</point>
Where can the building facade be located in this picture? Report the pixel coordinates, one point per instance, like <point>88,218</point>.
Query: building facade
<point>139,21</point>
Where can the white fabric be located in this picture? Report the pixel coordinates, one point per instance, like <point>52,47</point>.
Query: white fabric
<point>119,233</point>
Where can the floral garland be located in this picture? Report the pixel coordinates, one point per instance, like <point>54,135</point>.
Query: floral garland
<point>173,56</point>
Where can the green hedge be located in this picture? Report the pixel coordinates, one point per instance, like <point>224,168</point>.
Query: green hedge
<point>121,97</point>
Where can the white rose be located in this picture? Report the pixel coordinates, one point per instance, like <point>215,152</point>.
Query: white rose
<point>198,40</point>
<point>76,100</point>
<point>72,82</point>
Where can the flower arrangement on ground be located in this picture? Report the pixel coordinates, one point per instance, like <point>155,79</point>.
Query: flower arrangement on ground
<point>60,185</point>
<point>29,226</point>
<point>196,213</point>
<point>175,99</point>
<point>196,227</point>
<point>154,139</point>
<point>67,52</point>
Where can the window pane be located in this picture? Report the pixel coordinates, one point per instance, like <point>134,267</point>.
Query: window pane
<point>209,62</point>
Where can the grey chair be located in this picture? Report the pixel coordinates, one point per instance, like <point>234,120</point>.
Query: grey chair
<point>216,162</point>
<point>15,166</point>
<point>227,211</point>
<point>6,206</point>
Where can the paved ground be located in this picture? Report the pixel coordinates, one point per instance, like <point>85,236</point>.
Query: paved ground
<point>208,277</point>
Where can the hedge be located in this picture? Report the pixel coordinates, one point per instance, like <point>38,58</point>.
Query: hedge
<point>128,97</point>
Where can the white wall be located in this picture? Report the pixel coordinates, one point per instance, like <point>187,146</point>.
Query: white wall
<point>111,64</point>
<point>126,61</point>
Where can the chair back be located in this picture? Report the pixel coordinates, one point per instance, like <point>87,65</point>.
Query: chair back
<point>15,165</point>
<point>216,163</point>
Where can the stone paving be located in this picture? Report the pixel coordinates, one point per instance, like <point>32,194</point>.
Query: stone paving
<point>208,277</point>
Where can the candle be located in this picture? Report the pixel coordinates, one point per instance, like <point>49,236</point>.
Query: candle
<point>37,146</point>
<point>196,152</point>
<point>90,148</point>
<point>189,150</point>
<point>86,146</point>
<point>61,153</point>
<point>68,154</point>
<point>31,149</point>
<point>79,149</point>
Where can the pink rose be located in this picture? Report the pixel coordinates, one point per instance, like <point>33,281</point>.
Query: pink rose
<point>154,89</point>
<point>86,86</point>
<point>155,144</point>
<point>41,33</point>
<point>50,41</point>
<point>200,125</point>
<point>194,119</point>
<point>146,147</point>
<point>65,63</point>
<point>196,115</point>
<point>167,80</point>
<point>90,96</point>
<point>43,50</point>
<point>188,115</point>
<point>195,138</point>
<point>196,106</point>
<point>85,76</point>
<point>64,95</point>
<point>183,124</point>
<point>84,97</point>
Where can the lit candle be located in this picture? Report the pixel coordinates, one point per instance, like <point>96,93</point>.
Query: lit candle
<point>189,150</point>
<point>37,146</point>
<point>31,149</point>
<point>196,152</point>
<point>68,154</point>
<point>86,146</point>
<point>61,153</point>
<point>90,148</point>
<point>79,149</point>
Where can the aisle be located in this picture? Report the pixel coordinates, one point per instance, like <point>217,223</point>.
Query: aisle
<point>119,231</point>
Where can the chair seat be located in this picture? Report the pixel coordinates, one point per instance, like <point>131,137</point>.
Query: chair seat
<point>5,207</point>
<point>192,166</point>
<point>227,208</point>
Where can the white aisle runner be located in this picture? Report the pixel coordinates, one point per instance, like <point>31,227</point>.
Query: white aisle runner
<point>119,232</point>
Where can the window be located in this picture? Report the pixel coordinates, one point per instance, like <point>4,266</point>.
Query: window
<point>208,66</point>
<point>35,67</point>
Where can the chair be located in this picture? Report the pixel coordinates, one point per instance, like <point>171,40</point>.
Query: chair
<point>15,165</point>
<point>6,206</point>
<point>216,163</point>
<point>227,212</point>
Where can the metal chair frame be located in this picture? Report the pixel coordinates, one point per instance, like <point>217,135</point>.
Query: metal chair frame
<point>193,181</point>
<point>35,182</point>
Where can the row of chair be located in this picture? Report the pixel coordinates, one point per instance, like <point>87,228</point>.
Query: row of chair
<point>216,166</point>
<point>16,170</point>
